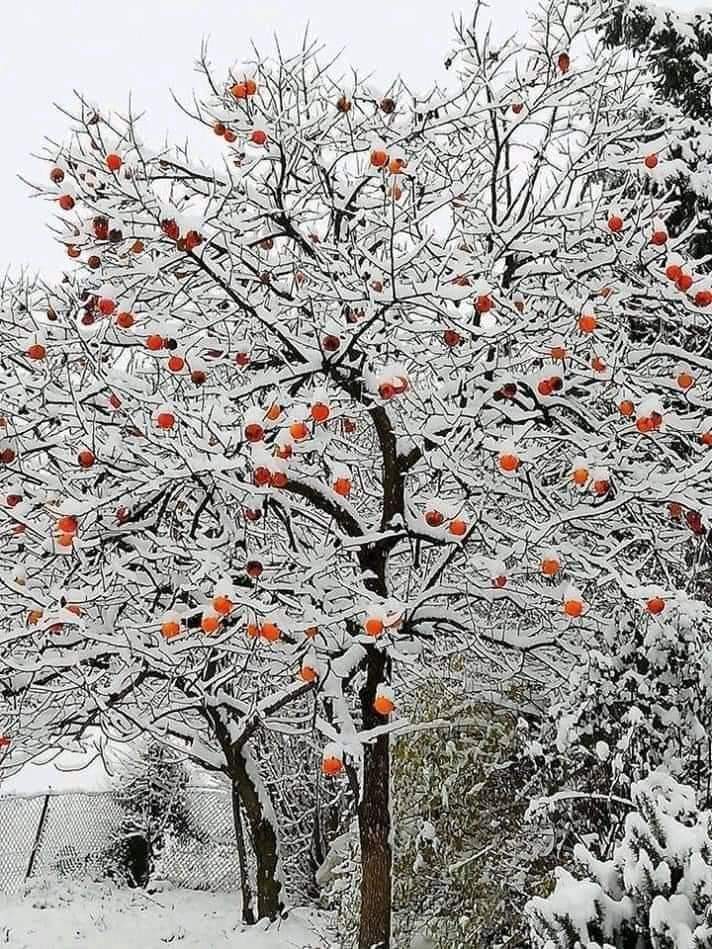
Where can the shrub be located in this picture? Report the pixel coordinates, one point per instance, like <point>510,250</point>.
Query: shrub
<point>655,892</point>
<point>463,856</point>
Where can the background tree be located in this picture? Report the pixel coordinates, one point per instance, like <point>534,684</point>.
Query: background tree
<point>674,47</point>
<point>681,41</point>
<point>151,789</point>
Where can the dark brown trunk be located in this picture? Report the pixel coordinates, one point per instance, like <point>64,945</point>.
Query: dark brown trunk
<point>264,837</point>
<point>374,818</point>
<point>248,912</point>
<point>249,798</point>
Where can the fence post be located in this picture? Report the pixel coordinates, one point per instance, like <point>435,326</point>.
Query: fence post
<point>38,836</point>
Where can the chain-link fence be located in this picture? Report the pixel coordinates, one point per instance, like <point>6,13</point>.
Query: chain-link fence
<point>73,833</point>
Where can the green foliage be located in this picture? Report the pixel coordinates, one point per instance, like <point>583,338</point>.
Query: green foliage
<point>464,858</point>
<point>463,855</point>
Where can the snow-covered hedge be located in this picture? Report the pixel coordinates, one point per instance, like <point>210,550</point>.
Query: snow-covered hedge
<point>655,892</point>
<point>636,700</point>
<point>640,699</point>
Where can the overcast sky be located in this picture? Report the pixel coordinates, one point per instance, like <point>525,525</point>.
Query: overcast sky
<point>148,47</point>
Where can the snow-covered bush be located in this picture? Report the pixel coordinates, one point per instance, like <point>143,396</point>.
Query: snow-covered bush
<point>339,877</point>
<point>655,892</point>
<point>637,699</point>
<point>641,698</point>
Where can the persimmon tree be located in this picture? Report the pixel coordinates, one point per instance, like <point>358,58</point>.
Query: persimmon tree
<point>404,372</point>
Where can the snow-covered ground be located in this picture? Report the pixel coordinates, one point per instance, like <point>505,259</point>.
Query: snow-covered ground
<point>67,915</point>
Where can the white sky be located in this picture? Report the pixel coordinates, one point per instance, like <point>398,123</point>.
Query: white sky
<point>148,47</point>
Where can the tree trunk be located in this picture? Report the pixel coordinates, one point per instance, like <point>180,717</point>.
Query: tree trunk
<point>270,904</point>
<point>248,912</point>
<point>374,818</point>
<point>249,797</point>
<point>138,859</point>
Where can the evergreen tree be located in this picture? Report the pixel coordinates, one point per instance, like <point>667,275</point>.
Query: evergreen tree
<point>637,699</point>
<point>675,47</point>
<point>152,791</point>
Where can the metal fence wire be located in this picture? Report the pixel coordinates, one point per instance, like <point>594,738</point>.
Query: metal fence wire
<point>74,833</point>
